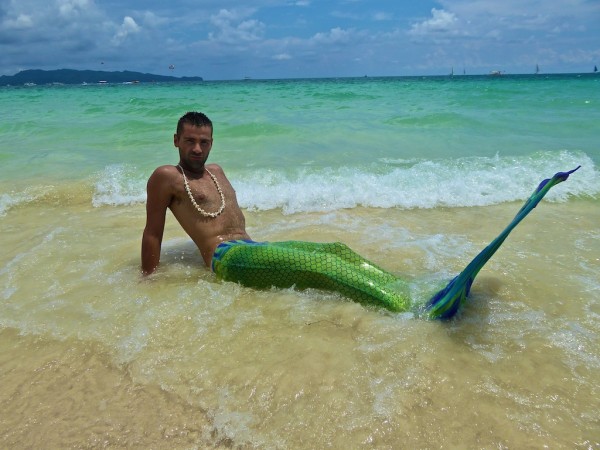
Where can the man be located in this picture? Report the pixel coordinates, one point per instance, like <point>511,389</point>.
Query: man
<point>166,189</point>
<point>204,203</point>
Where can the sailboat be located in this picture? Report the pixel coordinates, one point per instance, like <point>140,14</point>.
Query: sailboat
<point>537,69</point>
<point>595,69</point>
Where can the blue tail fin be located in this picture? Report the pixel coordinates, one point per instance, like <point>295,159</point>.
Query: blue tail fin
<point>447,302</point>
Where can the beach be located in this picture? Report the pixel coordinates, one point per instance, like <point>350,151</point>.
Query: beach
<point>415,174</point>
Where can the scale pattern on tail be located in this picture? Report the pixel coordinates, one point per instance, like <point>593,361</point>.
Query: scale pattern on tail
<point>330,266</point>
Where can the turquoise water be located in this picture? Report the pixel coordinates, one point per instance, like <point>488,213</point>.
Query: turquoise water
<point>417,174</point>
<point>486,140</point>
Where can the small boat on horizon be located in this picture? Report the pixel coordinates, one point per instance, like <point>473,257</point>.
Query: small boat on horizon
<point>495,73</point>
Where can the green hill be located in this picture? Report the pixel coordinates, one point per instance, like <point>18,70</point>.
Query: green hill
<point>70,76</point>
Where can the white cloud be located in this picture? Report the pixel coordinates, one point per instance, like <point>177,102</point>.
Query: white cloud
<point>70,9</point>
<point>441,22</point>
<point>224,17</point>
<point>334,36</point>
<point>128,27</point>
<point>21,22</point>
<point>282,57</point>
<point>232,29</point>
<point>153,20</point>
<point>521,9</point>
<point>60,23</point>
<point>526,15</point>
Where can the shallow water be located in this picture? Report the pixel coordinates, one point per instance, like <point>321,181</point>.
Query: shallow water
<point>231,366</point>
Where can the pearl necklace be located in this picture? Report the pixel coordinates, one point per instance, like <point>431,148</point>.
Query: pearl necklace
<point>196,205</point>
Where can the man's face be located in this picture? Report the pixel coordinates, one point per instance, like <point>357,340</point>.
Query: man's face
<point>194,144</point>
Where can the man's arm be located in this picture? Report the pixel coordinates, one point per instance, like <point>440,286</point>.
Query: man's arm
<point>159,197</point>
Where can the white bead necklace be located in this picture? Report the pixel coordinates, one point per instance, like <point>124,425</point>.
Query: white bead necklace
<point>196,205</point>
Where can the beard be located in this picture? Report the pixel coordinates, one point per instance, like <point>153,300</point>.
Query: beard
<point>195,164</point>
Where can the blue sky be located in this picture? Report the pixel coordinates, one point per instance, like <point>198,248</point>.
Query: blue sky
<point>233,39</point>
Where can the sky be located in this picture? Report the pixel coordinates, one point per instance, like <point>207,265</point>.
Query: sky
<point>235,39</point>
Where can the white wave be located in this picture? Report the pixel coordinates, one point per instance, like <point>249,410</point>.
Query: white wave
<point>476,181</point>
<point>119,185</point>
<point>464,182</point>
<point>13,199</point>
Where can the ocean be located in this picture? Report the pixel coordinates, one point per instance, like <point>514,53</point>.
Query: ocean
<point>417,174</point>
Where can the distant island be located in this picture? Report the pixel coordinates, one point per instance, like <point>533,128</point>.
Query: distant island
<point>71,76</point>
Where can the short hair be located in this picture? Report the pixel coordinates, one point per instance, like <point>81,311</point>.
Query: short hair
<point>196,119</point>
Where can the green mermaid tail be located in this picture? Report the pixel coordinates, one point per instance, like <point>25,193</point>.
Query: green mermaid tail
<point>335,267</point>
<point>329,266</point>
<point>447,302</point>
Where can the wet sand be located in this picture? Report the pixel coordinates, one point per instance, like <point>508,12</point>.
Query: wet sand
<point>59,394</point>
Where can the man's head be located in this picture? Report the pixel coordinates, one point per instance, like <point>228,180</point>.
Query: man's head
<point>196,119</point>
<point>194,140</point>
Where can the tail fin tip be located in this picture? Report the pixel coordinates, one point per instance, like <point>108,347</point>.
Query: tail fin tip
<point>446,303</point>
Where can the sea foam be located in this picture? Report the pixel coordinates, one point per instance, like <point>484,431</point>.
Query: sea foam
<point>13,199</point>
<point>119,184</point>
<point>463,182</point>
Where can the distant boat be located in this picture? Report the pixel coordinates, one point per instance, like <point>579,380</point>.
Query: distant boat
<point>537,69</point>
<point>595,69</point>
<point>495,73</point>
<point>452,71</point>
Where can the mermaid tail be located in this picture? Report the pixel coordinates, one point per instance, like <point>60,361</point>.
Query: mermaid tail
<point>335,267</point>
<point>329,266</point>
<point>447,302</point>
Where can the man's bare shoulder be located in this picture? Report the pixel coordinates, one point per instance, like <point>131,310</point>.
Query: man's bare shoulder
<point>163,182</point>
<point>167,171</point>
<point>164,176</point>
<point>215,168</point>
<point>218,172</point>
